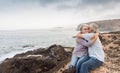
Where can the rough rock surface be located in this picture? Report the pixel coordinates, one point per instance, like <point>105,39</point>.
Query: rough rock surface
<point>38,61</point>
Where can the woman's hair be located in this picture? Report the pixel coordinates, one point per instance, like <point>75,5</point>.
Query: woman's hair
<point>82,25</point>
<point>94,27</point>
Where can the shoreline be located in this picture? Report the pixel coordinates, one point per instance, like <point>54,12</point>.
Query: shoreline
<point>41,55</point>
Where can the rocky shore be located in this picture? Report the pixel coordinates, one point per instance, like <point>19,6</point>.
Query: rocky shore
<point>55,58</point>
<point>42,60</point>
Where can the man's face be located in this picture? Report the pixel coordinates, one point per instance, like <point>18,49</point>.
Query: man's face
<point>90,29</point>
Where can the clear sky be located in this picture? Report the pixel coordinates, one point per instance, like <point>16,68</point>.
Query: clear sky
<point>40,14</point>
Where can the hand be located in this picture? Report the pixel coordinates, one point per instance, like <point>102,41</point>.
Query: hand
<point>96,35</point>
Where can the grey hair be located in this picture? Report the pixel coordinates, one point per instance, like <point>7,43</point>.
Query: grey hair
<point>82,25</point>
<point>94,27</point>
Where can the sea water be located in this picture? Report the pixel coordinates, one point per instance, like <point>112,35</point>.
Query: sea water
<point>19,41</point>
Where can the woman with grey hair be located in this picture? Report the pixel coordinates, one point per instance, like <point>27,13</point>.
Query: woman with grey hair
<point>80,52</point>
<point>95,51</point>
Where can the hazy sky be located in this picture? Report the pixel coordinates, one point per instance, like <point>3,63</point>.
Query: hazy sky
<point>37,14</point>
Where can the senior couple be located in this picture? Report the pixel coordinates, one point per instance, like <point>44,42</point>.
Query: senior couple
<point>88,52</point>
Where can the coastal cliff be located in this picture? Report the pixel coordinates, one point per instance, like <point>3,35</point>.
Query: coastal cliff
<point>106,25</point>
<point>55,58</point>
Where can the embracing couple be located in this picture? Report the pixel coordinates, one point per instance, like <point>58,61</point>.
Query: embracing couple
<point>88,52</point>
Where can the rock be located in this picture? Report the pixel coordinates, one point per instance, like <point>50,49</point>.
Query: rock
<point>100,70</point>
<point>25,46</point>
<point>38,61</point>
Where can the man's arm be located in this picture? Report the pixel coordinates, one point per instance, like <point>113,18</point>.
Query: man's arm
<point>93,37</point>
<point>79,35</point>
<point>87,44</point>
<point>91,42</point>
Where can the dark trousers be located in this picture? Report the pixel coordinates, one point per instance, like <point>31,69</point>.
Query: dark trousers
<point>90,64</point>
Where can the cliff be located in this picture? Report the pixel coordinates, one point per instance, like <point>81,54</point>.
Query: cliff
<point>106,25</point>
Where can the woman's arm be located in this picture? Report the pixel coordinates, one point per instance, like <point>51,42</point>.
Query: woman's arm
<point>96,34</point>
<point>94,37</point>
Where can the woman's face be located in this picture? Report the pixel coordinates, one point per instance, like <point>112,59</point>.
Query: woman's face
<point>85,29</point>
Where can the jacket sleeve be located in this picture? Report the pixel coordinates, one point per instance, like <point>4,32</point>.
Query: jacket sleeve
<point>87,43</point>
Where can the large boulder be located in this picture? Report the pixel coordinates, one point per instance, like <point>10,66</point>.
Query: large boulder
<point>38,61</point>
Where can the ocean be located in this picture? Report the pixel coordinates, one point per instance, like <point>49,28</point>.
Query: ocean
<point>19,41</point>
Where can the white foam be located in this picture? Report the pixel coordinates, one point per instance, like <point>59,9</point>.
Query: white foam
<point>13,53</point>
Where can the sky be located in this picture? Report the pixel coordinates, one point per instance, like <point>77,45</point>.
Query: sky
<point>44,14</point>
